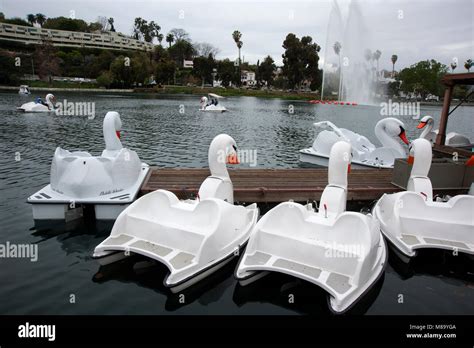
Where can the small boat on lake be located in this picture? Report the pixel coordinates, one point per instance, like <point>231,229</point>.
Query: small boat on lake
<point>212,103</point>
<point>342,252</point>
<point>192,238</point>
<point>412,220</point>
<point>39,105</point>
<point>109,182</point>
<point>365,154</point>
<point>24,90</point>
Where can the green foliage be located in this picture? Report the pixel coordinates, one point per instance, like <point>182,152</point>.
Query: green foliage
<point>180,51</point>
<point>423,77</point>
<point>8,75</point>
<point>266,71</point>
<point>17,21</point>
<point>142,30</point>
<point>105,79</point>
<point>63,23</point>
<point>226,72</point>
<point>300,61</point>
<point>203,67</point>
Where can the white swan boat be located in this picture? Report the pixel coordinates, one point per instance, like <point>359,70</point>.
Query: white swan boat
<point>39,105</point>
<point>110,182</point>
<point>24,90</point>
<point>212,103</point>
<point>193,238</point>
<point>365,154</point>
<point>411,220</point>
<point>452,138</point>
<point>342,252</point>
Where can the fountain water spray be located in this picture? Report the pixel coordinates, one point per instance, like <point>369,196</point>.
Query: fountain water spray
<point>348,69</point>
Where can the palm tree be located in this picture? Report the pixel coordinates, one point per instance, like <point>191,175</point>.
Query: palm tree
<point>160,38</point>
<point>377,54</point>
<point>40,19</point>
<point>453,66</point>
<point>169,39</point>
<point>31,18</point>
<point>111,24</point>
<point>394,60</point>
<point>237,35</point>
<point>468,64</point>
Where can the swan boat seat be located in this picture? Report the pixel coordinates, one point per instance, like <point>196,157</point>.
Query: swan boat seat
<point>411,220</point>
<point>341,252</point>
<point>192,238</point>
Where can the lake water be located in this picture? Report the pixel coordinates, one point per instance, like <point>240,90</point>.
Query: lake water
<point>171,132</point>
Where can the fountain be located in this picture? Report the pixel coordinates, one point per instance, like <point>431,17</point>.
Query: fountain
<point>348,69</point>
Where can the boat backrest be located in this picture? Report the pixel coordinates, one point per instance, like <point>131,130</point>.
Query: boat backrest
<point>421,185</point>
<point>333,201</point>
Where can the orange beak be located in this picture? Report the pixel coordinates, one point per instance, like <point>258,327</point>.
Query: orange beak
<point>421,125</point>
<point>233,159</point>
<point>404,138</point>
<point>470,162</point>
<point>411,160</point>
<point>118,134</point>
<point>348,168</point>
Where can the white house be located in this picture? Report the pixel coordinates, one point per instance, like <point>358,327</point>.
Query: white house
<point>247,78</point>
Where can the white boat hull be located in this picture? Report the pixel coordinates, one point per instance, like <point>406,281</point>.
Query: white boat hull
<point>48,204</point>
<point>309,155</point>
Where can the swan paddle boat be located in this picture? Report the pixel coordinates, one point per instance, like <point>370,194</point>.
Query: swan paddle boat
<point>342,252</point>
<point>212,103</point>
<point>411,220</point>
<point>110,181</point>
<point>452,138</point>
<point>192,238</point>
<point>39,105</point>
<point>24,90</point>
<point>365,154</point>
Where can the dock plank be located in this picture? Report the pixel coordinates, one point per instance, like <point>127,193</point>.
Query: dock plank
<point>272,185</point>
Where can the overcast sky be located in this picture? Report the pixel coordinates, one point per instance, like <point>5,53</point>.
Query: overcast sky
<point>439,29</point>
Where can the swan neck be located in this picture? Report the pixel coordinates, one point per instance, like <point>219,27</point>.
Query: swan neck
<point>112,142</point>
<point>388,141</point>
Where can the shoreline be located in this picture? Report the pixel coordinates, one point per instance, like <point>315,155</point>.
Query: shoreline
<point>185,90</point>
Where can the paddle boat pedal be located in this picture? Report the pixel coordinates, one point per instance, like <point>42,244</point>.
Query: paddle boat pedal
<point>192,238</point>
<point>411,220</point>
<point>342,252</point>
<point>109,182</point>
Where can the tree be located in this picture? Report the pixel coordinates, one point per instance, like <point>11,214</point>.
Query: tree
<point>169,39</point>
<point>63,23</point>
<point>266,70</point>
<point>468,64</point>
<point>160,38</point>
<point>453,66</point>
<point>204,49</point>
<point>47,61</point>
<point>423,78</point>
<point>179,34</point>
<point>121,72</point>
<point>31,18</point>
<point>237,35</point>
<point>300,61</point>
<point>142,30</point>
<point>203,67</point>
<point>394,60</point>
<point>105,79</point>
<point>226,72</point>
<point>376,56</point>
<point>40,19</point>
<point>111,24</point>
<point>2,16</point>
<point>180,51</point>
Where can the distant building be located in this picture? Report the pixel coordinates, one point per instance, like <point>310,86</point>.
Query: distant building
<point>36,36</point>
<point>188,64</point>
<point>247,78</point>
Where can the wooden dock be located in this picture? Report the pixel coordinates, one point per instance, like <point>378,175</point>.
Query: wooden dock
<point>273,185</point>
